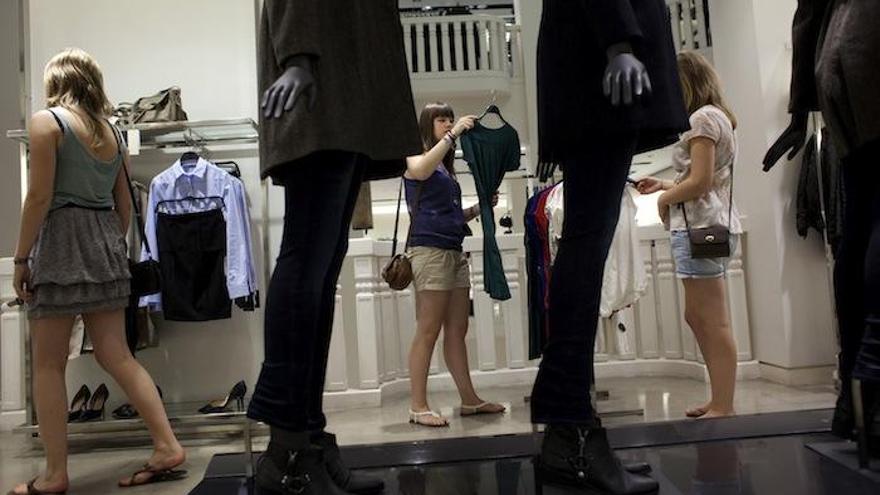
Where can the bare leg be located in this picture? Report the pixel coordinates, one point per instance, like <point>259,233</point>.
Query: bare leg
<point>50,339</point>
<point>455,329</point>
<point>430,310</point>
<point>707,314</point>
<point>111,351</point>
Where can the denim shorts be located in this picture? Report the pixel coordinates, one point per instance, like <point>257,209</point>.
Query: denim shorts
<point>687,267</point>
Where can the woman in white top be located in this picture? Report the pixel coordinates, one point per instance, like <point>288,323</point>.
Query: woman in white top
<point>704,160</point>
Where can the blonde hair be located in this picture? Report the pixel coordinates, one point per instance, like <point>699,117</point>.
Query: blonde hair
<point>701,85</point>
<point>73,79</point>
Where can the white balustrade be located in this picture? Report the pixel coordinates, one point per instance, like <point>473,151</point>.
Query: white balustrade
<point>450,46</point>
<point>689,28</point>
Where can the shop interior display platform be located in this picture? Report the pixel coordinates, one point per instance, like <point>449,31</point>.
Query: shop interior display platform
<point>766,453</point>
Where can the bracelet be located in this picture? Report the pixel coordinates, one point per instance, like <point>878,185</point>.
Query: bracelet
<point>20,261</point>
<point>450,137</point>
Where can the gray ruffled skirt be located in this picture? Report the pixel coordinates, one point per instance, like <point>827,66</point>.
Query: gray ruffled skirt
<point>80,264</point>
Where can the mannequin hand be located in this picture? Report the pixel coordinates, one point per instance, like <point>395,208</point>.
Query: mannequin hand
<point>625,76</point>
<point>464,124</point>
<point>296,81</point>
<point>792,138</point>
<point>21,281</point>
<point>495,200</point>
<point>650,185</point>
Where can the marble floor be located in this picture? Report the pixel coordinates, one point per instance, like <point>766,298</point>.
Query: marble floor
<point>95,466</point>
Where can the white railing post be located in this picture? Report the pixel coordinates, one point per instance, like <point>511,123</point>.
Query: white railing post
<point>408,46</point>
<point>446,47</point>
<point>514,329</point>
<point>484,316</point>
<point>420,49</point>
<point>458,45</point>
<point>390,334</point>
<point>739,316</point>
<point>434,64</point>
<point>649,331</point>
<point>470,46</point>
<point>337,372</point>
<point>406,323</point>
<point>369,321</point>
<point>667,301</point>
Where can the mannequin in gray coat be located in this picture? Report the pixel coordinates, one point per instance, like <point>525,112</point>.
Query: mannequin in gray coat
<point>336,110</point>
<point>835,70</point>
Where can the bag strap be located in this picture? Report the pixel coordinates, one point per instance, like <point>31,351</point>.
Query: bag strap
<point>134,201</point>
<point>729,206</point>
<point>413,219</point>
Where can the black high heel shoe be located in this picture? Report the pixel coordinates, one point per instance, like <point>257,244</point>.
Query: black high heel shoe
<point>222,405</point>
<point>78,404</point>
<point>96,405</point>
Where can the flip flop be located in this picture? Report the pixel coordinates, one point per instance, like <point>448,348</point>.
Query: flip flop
<point>478,409</point>
<point>416,418</point>
<point>32,490</point>
<point>157,476</point>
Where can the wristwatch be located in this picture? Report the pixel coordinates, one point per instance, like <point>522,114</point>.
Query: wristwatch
<point>20,261</point>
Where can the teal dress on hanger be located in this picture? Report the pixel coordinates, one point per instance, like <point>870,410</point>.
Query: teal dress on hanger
<point>490,153</point>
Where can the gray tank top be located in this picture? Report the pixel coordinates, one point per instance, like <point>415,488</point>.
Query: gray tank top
<point>80,178</point>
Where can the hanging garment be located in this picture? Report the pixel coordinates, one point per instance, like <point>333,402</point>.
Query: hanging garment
<point>538,267</point>
<point>490,153</point>
<point>194,188</point>
<point>192,247</point>
<point>810,196</point>
<point>624,281</point>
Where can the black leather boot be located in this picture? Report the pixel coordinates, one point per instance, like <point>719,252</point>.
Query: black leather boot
<point>843,424</point>
<point>281,471</point>
<point>581,457</point>
<point>359,483</point>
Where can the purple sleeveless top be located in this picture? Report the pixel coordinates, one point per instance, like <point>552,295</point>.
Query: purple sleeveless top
<point>439,221</point>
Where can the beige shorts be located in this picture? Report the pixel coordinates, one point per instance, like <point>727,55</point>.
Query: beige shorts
<point>439,269</point>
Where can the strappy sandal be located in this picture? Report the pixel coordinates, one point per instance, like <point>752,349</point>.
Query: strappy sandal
<point>156,476</point>
<point>416,419</point>
<point>478,409</point>
<point>32,490</point>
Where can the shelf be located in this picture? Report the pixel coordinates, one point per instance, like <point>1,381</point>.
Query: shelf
<point>186,134</point>
<point>180,415</point>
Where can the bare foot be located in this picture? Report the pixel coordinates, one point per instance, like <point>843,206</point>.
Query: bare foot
<point>427,417</point>
<point>698,411</point>
<point>41,485</point>
<point>161,460</point>
<point>718,413</point>
<point>482,408</point>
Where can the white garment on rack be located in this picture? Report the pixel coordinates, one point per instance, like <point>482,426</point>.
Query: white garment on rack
<point>624,281</point>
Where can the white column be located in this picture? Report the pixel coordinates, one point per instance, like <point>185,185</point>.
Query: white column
<point>667,301</point>
<point>739,315</point>
<point>458,46</point>
<point>514,329</point>
<point>688,343</point>
<point>470,46</point>
<point>369,321</point>
<point>601,351</point>
<point>484,316</point>
<point>434,66</point>
<point>390,336</point>
<point>406,324</point>
<point>649,325</point>
<point>337,373</point>
<point>420,49</point>
<point>408,46</point>
<point>446,47</point>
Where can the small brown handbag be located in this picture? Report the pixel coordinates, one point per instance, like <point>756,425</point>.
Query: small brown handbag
<point>164,106</point>
<point>398,272</point>
<point>712,241</point>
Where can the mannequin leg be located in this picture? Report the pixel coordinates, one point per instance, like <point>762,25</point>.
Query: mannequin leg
<point>867,364</point>
<point>320,191</point>
<point>594,184</point>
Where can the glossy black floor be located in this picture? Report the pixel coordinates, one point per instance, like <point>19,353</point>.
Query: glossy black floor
<point>745,455</point>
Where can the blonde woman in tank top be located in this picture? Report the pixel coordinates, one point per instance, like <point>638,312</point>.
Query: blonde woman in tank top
<point>704,160</point>
<point>71,259</point>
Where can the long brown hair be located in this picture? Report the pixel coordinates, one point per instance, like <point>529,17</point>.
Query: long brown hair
<point>73,79</point>
<point>701,85</point>
<point>426,128</point>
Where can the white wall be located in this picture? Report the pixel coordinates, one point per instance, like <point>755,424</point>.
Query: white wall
<point>10,118</point>
<point>789,299</point>
<point>208,48</point>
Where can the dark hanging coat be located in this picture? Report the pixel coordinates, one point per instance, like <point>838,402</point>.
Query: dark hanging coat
<point>571,65</point>
<point>836,68</point>
<point>365,103</point>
